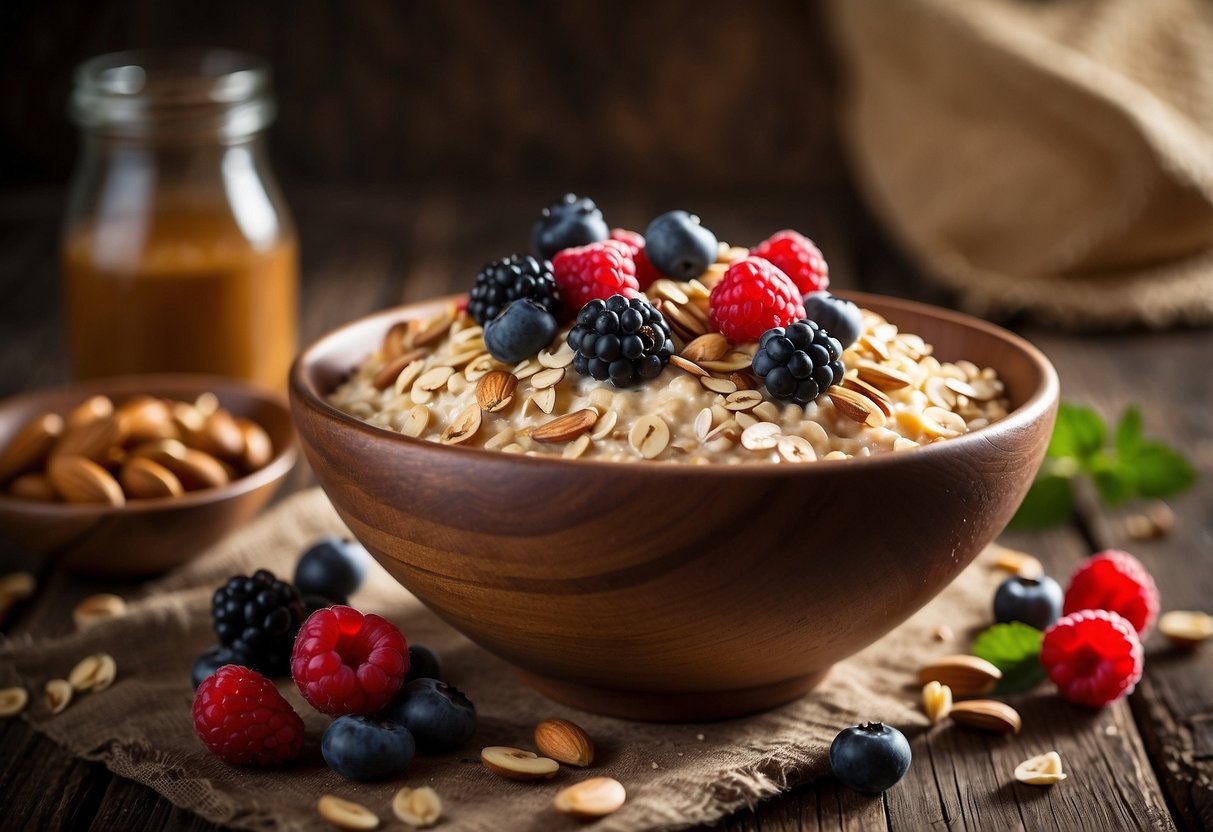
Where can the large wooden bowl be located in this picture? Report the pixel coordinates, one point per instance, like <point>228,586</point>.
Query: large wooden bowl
<point>144,537</point>
<point>677,592</point>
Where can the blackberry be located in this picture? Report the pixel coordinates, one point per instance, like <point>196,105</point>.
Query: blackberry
<point>259,616</point>
<point>799,362</point>
<point>620,339</point>
<point>501,283</point>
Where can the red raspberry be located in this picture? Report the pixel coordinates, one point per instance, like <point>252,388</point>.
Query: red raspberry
<point>1093,656</point>
<point>796,256</point>
<point>348,663</point>
<point>240,716</point>
<point>1116,581</point>
<point>646,272</point>
<point>752,297</point>
<point>597,270</point>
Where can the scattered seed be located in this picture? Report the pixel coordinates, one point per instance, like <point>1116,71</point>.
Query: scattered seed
<point>593,798</point>
<point>58,695</point>
<point>420,808</point>
<point>936,701</point>
<point>12,701</point>
<point>1043,770</point>
<point>345,814</point>
<point>95,673</point>
<point>1186,628</point>
<point>97,608</point>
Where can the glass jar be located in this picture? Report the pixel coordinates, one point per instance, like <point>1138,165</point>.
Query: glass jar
<point>178,251</point>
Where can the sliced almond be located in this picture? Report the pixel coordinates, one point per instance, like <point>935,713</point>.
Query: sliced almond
<point>417,420</point>
<point>57,695</point>
<point>606,423</point>
<point>91,440</point>
<point>567,427</point>
<point>393,340</point>
<point>80,480</point>
<point>1186,628</point>
<point>1042,770</point>
<point>882,377</point>
<point>434,379</point>
<point>258,447</point>
<point>589,799</point>
<point>516,764</point>
<point>562,357</point>
<point>548,377</point>
<point>564,741</point>
<point>936,701</point>
<point>408,376</point>
<point>345,814</point>
<point>144,479</point>
<point>965,675</point>
<point>766,411</point>
<point>649,435</point>
<point>420,808</point>
<point>478,368</point>
<point>545,399</point>
<point>735,361</point>
<point>577,447</point>
<point>390,371</point>
<point>988,715</point>
<point>463,428</point>
<point>857,407</point>
<point>30,446</point>
<point>97,608</point>
<point>709,347</point>
<point>33,487</point>
<point>495,390</point>
<point>1018,563</point>
<point>686,365</point>
<point>794,448</point>
<point>761,436</point>
<point>742,400</point>
<point>703,423</point>
<point>12,701</point>
<point>95,672</point>
<point>425,332</point>
<point>718,385</point>
<point>526,369</point>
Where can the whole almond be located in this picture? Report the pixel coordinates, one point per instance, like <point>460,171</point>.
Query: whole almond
<point>97,608</point>
<point>988,715</point>
<point>495,390</point>
<point>516,764</point>
<point>80,480</point>
<point>258,447</point>
<point>33,487</point>
<point>196,469</point>
<point>58,695</point>
<point>144,479</point>
<point>420,808</point>
<point>220,436</point>
<point>30,446</point>
<point>589,799</point>
<point>709,347</point>
<point>857,407</point>
<point>345,814</point>
<point>567,427</point>
<point>89,410</point>
<point>965,675</point>
<point>92,440</point>
<point>146,419</point>
<point>564,742</point>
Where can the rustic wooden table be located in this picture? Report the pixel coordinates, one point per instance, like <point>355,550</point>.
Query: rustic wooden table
<point>1145,763</point>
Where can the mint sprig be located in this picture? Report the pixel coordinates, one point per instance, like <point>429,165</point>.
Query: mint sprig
<point>1015,650</point>
<point>1128,468</point>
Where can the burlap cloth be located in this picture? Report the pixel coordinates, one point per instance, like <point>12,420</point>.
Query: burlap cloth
<point>676,775</point>
<point>1054,157</point>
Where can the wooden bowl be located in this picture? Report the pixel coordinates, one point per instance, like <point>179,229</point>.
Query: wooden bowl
<point>145,536</point>
<point>675,592</point>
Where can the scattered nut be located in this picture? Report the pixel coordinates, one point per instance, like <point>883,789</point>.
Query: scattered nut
<point>988,715</point>
<point>12,701</point>
<point>1186,628</point>
<point>1018,563</point>
<point>965,675</point>
<point>564,742</point>
<point>95,672</point>
<point>516,764</point>
<point>589,799</point>
<point>1043,770</point>
<point>58,695</point>
<point>419,807</point>
<point>345,814</point>
<point>97,608</point>
<point>936,701</point>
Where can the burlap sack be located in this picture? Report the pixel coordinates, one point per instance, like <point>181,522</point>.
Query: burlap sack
<point>1054,157</point>
<point>676,775</point>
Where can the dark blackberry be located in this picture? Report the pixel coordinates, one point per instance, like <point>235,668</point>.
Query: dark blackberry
<point>259,616</point>
<point>501,283</point>
<point>573,221</point>
<point>620,339</point>
<point>799,362</point>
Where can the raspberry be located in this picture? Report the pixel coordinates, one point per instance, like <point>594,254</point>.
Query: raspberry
<point>348,663</point>
<point>598,270</point>
<point>646,272</point>
<point>796,256</point>
<point>1116,581</point>
<point>752,297</point>
<point>240,716</point>
<point>1093,656</point>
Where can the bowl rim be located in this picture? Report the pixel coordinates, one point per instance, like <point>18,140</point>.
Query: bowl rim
<point>283,461</point>
<point>303,391</point>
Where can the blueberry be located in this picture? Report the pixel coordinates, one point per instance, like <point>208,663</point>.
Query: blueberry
<point>439,716</point>
<point>1036,602</point>
<point>332,567</point>
<point>423,663</point>
<point>520,331</point>
<point>870,757</point>
<point>677,245</point>
<point>363,747</point>
<point>314,602</point>
<point>215,658</point>
<point>574,221</point>
<point>839,317</point>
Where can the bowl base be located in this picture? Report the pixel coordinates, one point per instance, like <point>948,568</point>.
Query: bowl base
<point>675,706</point>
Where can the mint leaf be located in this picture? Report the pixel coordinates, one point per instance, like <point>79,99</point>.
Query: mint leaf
<point>1079,432</point>
<point>1159,470</point>
<point>1114,479</point>
<point>1128,437</point>
<point>1015,650</point>
<point>1049,502</point>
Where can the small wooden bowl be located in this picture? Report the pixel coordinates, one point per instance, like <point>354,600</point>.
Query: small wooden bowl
<point>145,536</point>
<point>676,592</point>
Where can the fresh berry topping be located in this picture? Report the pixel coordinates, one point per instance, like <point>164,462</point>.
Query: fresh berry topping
<point>240,716</point>
<point>313,602</point>
<point>423,663</point>
<point>796,256</point>
<point>752,297</point>
<point>619,339</point>
<point>438,715</point>
<point>1034,601</point>
<point>645,272</point>
<point>519,332</point>
<point>598,270</point>
<point>798,362</point>
<point>870,758</point>
<point>361,747</point>
<point>678,245</point>
<point>839,317</point>
<point>500,284</point>
<point>216,657</point>
<point>332,567</point>
<point>574,221</point>
<point>349,663</point>
<point>259,616</point>
<point>1093,656</point>
<point>1116,581</point>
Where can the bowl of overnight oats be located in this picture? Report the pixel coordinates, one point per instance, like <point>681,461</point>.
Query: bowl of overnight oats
<point>666,477</point>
